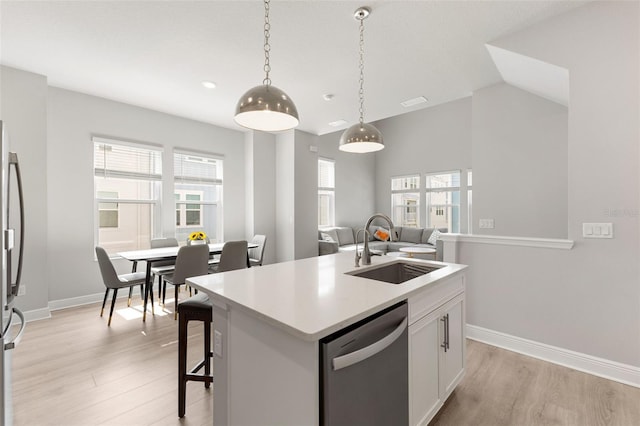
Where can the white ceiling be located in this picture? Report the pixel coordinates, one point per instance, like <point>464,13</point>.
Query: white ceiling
<point>155,54</point>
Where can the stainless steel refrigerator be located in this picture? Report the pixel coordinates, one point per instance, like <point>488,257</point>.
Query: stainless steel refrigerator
<point>12,241</point>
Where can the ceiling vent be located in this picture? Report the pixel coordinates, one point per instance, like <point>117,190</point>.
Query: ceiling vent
<point>415,101</point>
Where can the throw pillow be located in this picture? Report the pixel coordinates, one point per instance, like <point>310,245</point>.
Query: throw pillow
<point>434,237</point>
<point>326,237</point>
<point>381,234</point>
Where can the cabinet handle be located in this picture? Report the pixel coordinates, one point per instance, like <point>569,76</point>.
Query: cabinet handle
<point>445,342</point>
<point>447,325</point>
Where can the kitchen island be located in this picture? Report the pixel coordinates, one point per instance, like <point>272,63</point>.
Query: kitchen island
<point>268,322</point>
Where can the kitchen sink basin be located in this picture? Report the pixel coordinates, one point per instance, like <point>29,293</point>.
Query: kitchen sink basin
<point>396,272</point>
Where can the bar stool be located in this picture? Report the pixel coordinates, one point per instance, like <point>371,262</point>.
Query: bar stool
<point>196,308</point>
<point>199,308</point>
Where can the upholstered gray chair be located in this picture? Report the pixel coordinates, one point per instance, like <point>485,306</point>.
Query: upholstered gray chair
<point>164,267</point>
<point>256,254</point>
<point>234,256</point>
<point>191,261</point>
<point>113,281</point>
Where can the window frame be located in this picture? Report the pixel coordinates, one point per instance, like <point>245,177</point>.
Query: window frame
<point>451,189</point>
<point>417,191</point>
<point>181,204</point>
<point>153,178</point>
<point>327,191</point>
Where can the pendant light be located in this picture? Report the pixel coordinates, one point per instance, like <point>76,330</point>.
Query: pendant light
<point>266,107</point>
<point>361,137</point>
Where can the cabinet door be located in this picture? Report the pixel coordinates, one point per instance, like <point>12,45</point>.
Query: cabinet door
<point>452,359</point>
<point>424,399</point>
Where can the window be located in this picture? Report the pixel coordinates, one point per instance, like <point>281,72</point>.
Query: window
<point>469,203</point>
<point>405,201</point>
<point>326,192</point>
<point>198,195</point>
<point>127,187</point>
<point>107,212</point>
<point>443,200</point>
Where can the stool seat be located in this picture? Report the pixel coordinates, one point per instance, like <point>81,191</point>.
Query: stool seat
<point>195,304</point>
<point>196,308</point>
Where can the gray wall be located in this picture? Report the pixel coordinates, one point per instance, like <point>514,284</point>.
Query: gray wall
<point>306,196</point>
<point>285,196</point>
<point>435,139</point>
<point>260,193</point>
<point>355,176</point>
<point>73,119</point>
<point>24,114</point>
<point>586,299</point>
<point>519,163</point>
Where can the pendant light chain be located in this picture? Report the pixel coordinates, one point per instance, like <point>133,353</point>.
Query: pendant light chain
<point>361,72</point>
<point>267,46</point>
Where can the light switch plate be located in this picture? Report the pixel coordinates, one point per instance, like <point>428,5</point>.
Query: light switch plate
<point>597,230</point>
<point>486,223</point>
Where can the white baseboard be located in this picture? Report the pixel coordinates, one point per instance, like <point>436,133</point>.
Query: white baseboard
<point>55,305</point>
<point>37,314</point>
<point>623,373</point>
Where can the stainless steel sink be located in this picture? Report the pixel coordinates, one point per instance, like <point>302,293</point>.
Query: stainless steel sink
<point>396,272</point>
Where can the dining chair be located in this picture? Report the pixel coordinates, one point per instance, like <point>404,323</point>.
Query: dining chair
<point>113,281</point>
<point>192,260</point>
<point>163,267</point>
<point>256,254</point>
<point>199,308</point>
<point>234,255</point>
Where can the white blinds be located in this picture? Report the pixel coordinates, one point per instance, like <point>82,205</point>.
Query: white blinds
<point>114,159</point>
<point>197,169</point>
<point>326,174</point>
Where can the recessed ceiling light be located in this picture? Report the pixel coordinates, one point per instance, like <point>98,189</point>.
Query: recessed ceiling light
<point>337,123</point>
<point>209,84</point>
<point>327,97</point>
<point>414,101</point>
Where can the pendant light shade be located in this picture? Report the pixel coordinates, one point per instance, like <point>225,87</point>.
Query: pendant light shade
<point>361,137</point>
<point>266,107</point>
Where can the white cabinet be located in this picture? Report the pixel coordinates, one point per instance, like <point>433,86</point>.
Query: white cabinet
<point>436,348</point>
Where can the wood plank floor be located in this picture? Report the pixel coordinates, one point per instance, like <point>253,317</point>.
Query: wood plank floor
<point>503,388</point>
<point>74,370</point>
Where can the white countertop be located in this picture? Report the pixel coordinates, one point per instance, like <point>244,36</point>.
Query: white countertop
<point>312,298</point>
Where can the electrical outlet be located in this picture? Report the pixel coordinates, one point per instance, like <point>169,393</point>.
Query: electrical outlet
<point>217,343</point>
<point>22,290</point>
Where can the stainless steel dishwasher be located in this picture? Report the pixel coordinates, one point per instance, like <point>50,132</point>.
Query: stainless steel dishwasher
<point>364,377</point>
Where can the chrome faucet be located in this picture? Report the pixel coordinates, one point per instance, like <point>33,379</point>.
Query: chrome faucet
<point>366,238</point>
<point>366,254</point>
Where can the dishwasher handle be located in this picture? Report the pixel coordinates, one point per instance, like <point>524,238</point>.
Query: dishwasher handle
<point>355,357</point>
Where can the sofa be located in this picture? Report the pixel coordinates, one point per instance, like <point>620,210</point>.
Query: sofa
<point>342,239</point>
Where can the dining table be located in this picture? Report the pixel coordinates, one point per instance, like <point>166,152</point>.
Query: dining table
<point>162,254</point>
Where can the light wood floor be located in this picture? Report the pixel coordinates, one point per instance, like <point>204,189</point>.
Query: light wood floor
<point>74,370</point>
<point>503,388</point>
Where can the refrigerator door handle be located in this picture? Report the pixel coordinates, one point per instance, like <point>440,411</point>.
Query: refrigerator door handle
<point>16,340</point>
<point>13,161</point>
<point>369,351</point>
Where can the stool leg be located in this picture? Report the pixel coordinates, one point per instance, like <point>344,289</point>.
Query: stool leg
<point>182,365</point>
<point>207,352</point>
